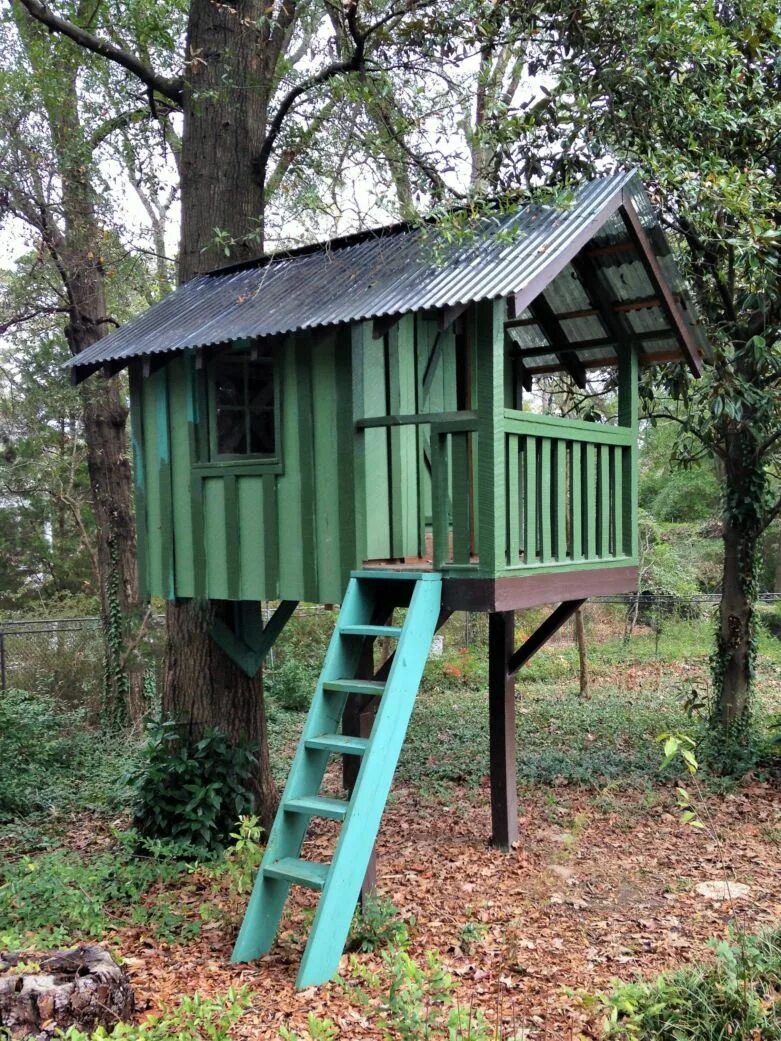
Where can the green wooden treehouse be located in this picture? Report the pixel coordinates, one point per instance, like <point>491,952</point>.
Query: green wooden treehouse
<point>355,423</point>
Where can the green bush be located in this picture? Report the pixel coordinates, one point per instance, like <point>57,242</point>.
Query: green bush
<point>738,997</point>
<point>59,897</point>
<point>292,684</point>
<point>39,747</point>
<point>191,788</point>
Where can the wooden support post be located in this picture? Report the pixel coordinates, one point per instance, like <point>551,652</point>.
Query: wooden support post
<point>501,725</point>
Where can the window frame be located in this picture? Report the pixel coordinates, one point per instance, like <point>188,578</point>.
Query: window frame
<point>212,461</point>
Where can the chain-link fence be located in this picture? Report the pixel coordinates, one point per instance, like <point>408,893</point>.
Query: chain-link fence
<point>63,657</point>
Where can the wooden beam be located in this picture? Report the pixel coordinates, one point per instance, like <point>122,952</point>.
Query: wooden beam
<point>653,269</point>
<point>384,324</point>
<point>550,325</point>
<point>613,320</point>
<point>448,315</point>
<point>542,634</point>
<point>248,642</point>
<point>415,419</point>
<point>501,731</point>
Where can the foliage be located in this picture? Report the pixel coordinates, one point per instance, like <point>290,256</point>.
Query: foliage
<point>195,1018</point>
<point>378,923</point>
<point>686,90</point>
<point>59,896</point>
<point>190,788</point>
<point>409,999</point>
<point>737,997</point>
<point>292,683</point>
<point>50,761</point>
<point>242,859</point>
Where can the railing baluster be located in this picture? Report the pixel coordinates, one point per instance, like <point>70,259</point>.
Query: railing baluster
<point>618,500</point>
<point>576,500</point>
<point>591,548</point>
<point>530,500</point>
<point>513,501</point>
<point>560,515</point>
<point>604,501</point>
<point>545,492</point>
<point>440,524</point>
<point>461,527</point>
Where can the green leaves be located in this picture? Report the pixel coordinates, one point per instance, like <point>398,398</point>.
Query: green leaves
<point>191,788</point>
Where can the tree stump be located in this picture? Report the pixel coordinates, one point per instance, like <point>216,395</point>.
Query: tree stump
<point>43,993</point>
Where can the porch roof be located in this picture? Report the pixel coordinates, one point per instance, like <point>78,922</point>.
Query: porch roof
<point>579,278</point>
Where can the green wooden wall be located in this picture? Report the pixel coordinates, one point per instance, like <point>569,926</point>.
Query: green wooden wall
<point>248,531</point>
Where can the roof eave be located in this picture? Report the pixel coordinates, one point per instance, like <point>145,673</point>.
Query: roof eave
<point>669,304</point>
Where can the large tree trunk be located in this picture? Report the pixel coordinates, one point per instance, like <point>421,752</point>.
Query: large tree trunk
<point>222,201</point>
<point>734,659</point>
<point>733,662</point>
<point>76,250</point>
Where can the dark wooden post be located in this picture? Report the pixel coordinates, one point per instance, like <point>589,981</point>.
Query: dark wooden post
<point>501,726</point>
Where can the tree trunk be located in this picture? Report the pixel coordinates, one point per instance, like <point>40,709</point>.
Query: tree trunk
<point>76,251</point>
<point>222,202</point>
<point>734,659</point>
<point>580,640</point>
<point>733,662</point>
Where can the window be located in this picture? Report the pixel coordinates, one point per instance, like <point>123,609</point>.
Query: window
<point>242,400</point>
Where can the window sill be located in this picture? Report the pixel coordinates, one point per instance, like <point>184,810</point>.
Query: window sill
<point>239,467</point>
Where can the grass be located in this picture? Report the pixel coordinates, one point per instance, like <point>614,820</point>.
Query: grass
<point>737,997</point>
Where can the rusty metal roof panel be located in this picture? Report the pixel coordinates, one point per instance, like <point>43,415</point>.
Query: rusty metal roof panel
<point>388,272</point>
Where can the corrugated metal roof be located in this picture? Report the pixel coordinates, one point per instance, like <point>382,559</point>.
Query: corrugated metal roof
<point>388,272</point>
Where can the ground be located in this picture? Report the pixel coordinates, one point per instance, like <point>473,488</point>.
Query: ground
<point>602,886</point>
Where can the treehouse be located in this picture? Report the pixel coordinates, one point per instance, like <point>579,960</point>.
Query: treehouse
<point>357,422</point>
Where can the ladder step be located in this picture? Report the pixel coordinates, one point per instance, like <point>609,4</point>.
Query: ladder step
<point>390,632</point>
<point>318,806</point>
<point>354,686</point>
<point>338,744</point>
<point>310,873</point>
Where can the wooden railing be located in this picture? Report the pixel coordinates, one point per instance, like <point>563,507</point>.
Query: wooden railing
<point>569,497</point>
<point>453,514</point>
<point>570,494</point>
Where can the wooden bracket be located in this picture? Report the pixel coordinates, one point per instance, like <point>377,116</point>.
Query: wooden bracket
<point>248,641</point>
<point>383,325</point>
<point>542,634</point>
<point>448,315</point>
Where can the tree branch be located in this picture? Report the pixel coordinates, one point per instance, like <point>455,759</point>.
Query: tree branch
<point>169,88</point>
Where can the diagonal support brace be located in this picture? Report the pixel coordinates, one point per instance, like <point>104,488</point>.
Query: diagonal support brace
<point>248,641</point>
<point>542,634</point>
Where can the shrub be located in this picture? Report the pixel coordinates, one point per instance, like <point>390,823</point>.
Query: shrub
<point>191,788</point>
<point>59,897</point>
<point>193,1019</point>
<point>39,746</point>
<point>737,997</point>
<point>292,684</point>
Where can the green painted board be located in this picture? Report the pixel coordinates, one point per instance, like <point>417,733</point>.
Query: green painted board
<point>530,500</point>
<point>513,500</point>
<point>546,501</point>
<point>560,511</point>
<point>215,538</point>
<point>604,500</point>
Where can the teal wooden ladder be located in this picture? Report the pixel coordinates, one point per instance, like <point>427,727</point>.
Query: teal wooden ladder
<point>340,881</point>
